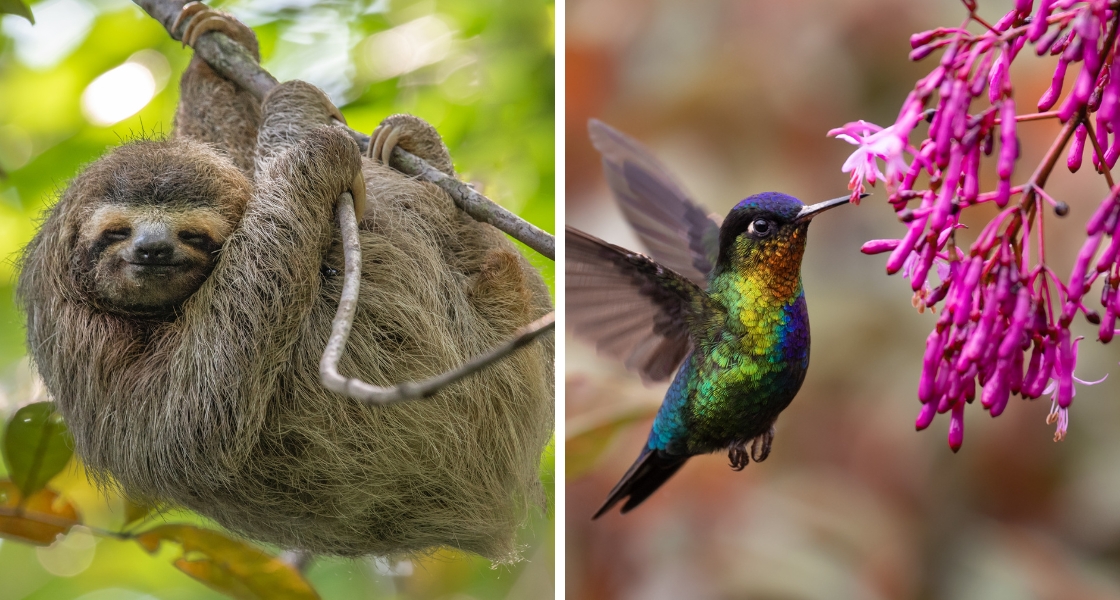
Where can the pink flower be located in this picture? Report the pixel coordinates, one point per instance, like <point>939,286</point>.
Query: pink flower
<point>1060,414</point>
<point>874,143</point>
<point>1004,327</point>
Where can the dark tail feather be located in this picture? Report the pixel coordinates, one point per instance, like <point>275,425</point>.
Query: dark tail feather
<point>652,469</point>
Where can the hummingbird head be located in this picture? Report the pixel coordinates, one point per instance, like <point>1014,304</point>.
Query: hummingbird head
<point>764,237</point>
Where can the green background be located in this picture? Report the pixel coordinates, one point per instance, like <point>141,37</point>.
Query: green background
<point>488,87</point>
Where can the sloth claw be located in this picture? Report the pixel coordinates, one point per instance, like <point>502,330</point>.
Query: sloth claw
<point>204,19</point>
<point>381,144</point>
<point>189,10</point>
<point>358,191</point>
<point>412,134</point>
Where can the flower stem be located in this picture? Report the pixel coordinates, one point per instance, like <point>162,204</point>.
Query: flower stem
<point>1050,114</point>
<point>1103,169</point>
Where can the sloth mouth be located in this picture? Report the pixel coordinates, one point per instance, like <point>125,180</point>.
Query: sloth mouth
<point>161,270</point>
<point>155,265</point>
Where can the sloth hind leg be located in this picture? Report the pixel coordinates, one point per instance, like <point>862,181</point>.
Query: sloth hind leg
<point>412,134</point>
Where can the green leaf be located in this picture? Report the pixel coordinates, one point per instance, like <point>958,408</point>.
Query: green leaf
<point>38,519</point>
<point>229,566</point>
<point>37,446</point>
<point>15,7</point>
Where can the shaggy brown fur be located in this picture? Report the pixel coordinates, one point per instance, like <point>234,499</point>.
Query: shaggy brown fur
<point>219,408</point>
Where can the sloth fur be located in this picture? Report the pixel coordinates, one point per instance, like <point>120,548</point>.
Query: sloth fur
<point>217,406</point>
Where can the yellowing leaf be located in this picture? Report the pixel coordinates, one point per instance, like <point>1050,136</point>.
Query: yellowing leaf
<point>37,446</point>
<point>589,438</point>
<point>230,566</point>
<point>38,519</point>
<point>134,512</point>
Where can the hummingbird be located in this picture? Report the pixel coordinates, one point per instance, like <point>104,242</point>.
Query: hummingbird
<point>719,307</point>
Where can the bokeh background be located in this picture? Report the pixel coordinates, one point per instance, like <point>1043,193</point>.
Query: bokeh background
<point>736,96</point>
<point>91,73</point>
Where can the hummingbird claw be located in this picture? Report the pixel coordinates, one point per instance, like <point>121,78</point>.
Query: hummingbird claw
<point>760,446</point>
<point>739,456</point>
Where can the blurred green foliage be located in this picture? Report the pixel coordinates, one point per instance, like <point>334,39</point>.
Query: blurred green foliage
<point>16,7</point>
<point>481,72</point>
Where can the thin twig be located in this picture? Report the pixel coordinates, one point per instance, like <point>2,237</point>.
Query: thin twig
<point>1052,114</point>
<point>228,58</point>
<point>1041,174</point>
<point>477,206</point>
<point>1103,168</point>
<point>344,319</point>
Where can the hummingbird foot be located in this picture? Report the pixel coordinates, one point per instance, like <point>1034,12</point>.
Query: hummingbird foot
<point>739,456</point>
<point>760,446</point>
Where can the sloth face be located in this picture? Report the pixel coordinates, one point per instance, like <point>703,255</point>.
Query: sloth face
<point>146,260</point>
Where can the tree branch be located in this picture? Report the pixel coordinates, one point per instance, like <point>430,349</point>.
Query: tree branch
<point>228,58</point>
<point>344,319</point>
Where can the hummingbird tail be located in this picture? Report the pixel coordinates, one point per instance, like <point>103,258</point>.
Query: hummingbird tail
<point>652,469</point>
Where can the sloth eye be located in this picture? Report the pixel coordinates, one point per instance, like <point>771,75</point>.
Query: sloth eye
<point>118,234</point>
<point>194,239</point>
<point>760,228</point>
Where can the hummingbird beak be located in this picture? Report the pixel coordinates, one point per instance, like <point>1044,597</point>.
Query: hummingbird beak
<point>815,209</point>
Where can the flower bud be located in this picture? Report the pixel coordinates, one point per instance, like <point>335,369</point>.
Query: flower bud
<point>1077,148</point>
<point>879,246</point>
<point>997,79</point>
<point>1013,340</point>
<point>956,427</point>
<point>1076,288</point>
<point>925,416</point>
<point>1060,46</point>
<point>1009,143</point>
<point>1106,210</point>
<point>925,37</point>
<point>1050,96</point>
<point>1039,25</point>
<point>902,251</point>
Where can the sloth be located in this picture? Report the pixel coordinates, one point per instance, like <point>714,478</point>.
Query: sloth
<point>180,293</point>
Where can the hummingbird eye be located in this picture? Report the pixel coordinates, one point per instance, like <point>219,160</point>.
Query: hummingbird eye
<point>759,228</point>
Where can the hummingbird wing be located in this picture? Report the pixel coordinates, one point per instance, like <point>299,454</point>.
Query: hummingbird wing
<point>677,232</point>
<point>631,307</point>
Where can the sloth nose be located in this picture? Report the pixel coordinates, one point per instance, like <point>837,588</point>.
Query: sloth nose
<point>151,247</point>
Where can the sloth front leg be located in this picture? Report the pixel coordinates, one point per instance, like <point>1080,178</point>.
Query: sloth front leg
<point>292,111</point>
<point>412,134</point>
<point>213,109</point>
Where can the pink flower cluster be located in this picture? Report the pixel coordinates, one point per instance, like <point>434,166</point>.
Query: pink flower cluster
<point>1005,323</point>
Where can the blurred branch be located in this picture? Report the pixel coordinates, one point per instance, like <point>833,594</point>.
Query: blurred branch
<point>232,61</point>
<point>299,559</point>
